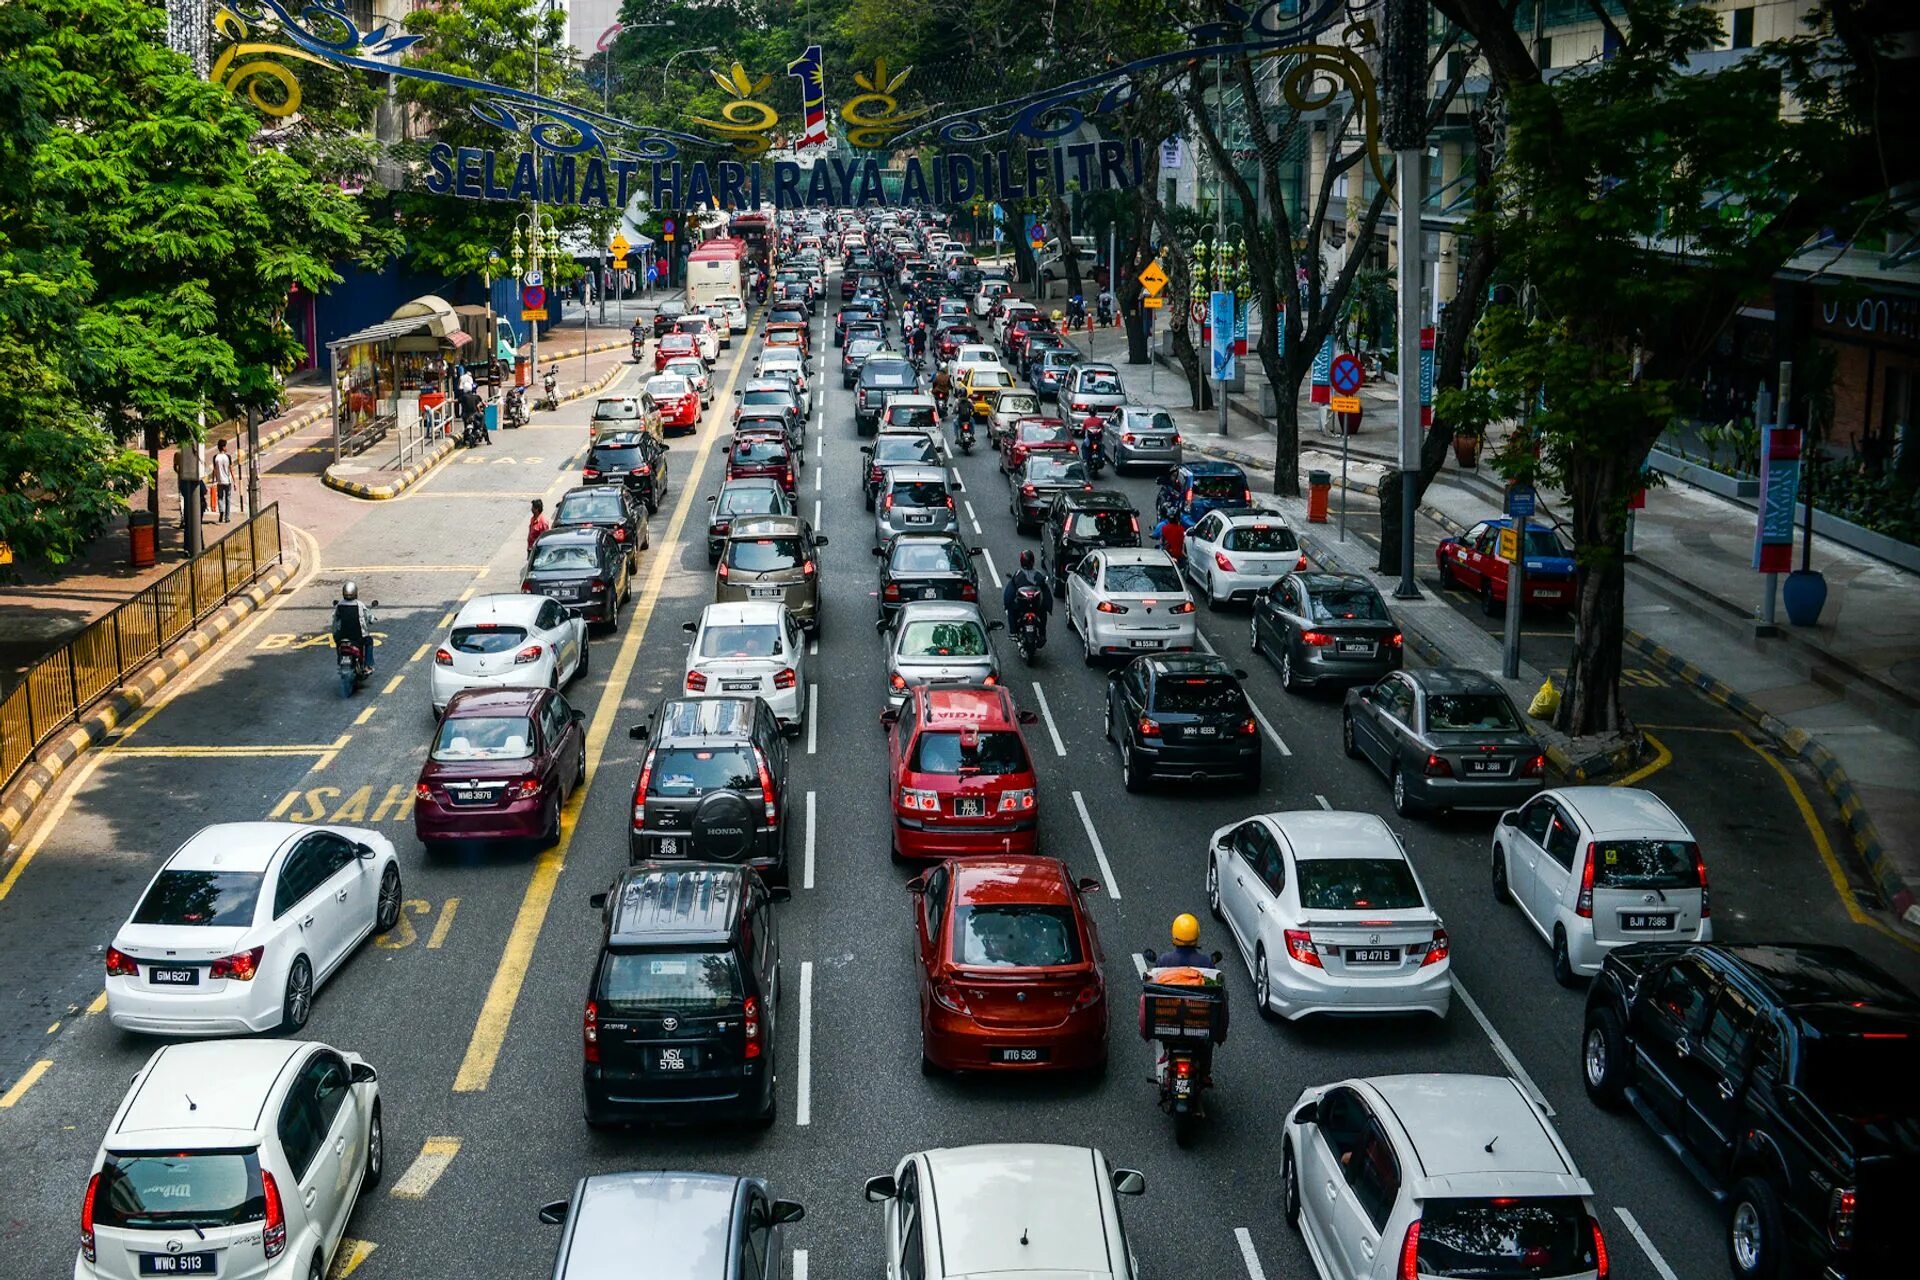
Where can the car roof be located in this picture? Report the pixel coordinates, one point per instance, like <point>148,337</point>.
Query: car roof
<point>234,846</point>
<point>1020,1207</point>
<point>958,705</point>
<point>1189,664</point>
<point>1463,1125</point>
<point>1452,680</point>
<point>694,721</point>
<point>733,612</point>
<point>1133,555</point>
<point>569,534</point>
<point>757,526</point>
<point>681,1222</point>
<point>1268,516</point>
<point>206,1084</point>
<point>911,400</point>
<point>781,385</point>
<point>492,702</point>
<point>1827,984</point>
<point>984,881</point>
<point>1619,811</point>
<point>1214,469</point>
<point>1316,833</point>
<point>919,475</point>
<point>518,608</point>
<point>673,902</point>
<point>1096,500</point>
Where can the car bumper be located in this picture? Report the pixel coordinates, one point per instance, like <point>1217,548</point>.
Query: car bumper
<point>914,839</point>
<point>1114,638</point>
<point>738,1095</point>
<point>956,1042</point>
<point>897,698</point>
<point>241,1008</point>
<point>784,703</point>
<point>1459,793</point>
<point>515,820</point>
<point>1231,757</point>
<point>1558,593</point>
<point>657,842</point>
<point>1241,586</point>
<point>1311,665</point>
<point>1127,455</point>
<point>1300,991</point>
<point>884,529</point>
<point>803,604</point>
<point>1587,953</point>
<point>443,683</point>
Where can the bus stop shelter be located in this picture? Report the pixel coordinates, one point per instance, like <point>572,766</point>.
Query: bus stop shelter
<point>391,381</point>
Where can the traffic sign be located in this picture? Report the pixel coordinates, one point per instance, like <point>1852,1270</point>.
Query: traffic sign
<point>533,279</point>
<point>653,271</point>
<point>533,313</point>
<point>666,226</point>
<point>1153,300</point>
<point>1346,375</point>
<point>1153,279</point>
<point>1509,544</point>
<point>620,262</point>
<point>533,296</point>
<point>6,553</point>
<point>619,245</point>
<point>1520,500</point>
<point>1346,404</point>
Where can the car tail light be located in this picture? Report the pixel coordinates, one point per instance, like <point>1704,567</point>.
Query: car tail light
<point>750,1024</point>
<point>990,680</point>
<point>1394,641</point>
<point>1249,727</point>
<point>696,682</point>
<point>914,800</point>
<point>1410,1253</point>
<point>789,477</point>
<point>897,680</point>
<point>969,592</point>
<point>1437,766</point>
<point>1246,496</point>
<point>241,966</point>
<point>441,658</point>
<point>86,1218</point>
<point>769,805</point>
<point>1318,639</point>
<point>1087,997</point>
<point>1185,606</point>
<point>1601,1264</point>
<point>1438,949</point>
<point>1583,905</point>
<point>591,473</point>
<point>640,793</point>
<point>1108,606</point>
<point>808,569</point>
<point>1189,495</point>
<point>533,651</point>
<point>1839,1219</point>
<point>523,789</point>
<point>526,586</point>
<point>1220,558</point>
<point>421,791</point>
<point>1028,491</point>
<point>273,1235</point>
<point>1018,800</point>
<point>722,526</point>
<point>785,678</point>
<point>619,533</point>
<point>1300,947</point>
<point>120,964</point>
<point>1126,438</point>
<point>1148,728</point>
<point>947,996</point>
<point>1700,870</point>
<point>1535,767</point>
<point>874,475</point>
<point>1135,522</point>
<point>590,1032</point>
<point>725,571</point>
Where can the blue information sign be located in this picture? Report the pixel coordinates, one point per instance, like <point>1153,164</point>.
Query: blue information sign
<point>1520,500</point>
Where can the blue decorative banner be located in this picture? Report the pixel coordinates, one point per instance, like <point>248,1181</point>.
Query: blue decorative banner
<point>1779,487</point>
<point>1220,322</point>
<point>1323,373</point>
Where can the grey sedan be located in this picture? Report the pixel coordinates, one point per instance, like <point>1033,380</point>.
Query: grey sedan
<point>938,642</point>
<point>1141,435</point>
<point>1448,739</point>
<point>1324,628</point>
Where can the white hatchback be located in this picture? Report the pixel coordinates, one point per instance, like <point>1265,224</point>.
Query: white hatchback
<point>230,1158</point>
<point>694,371</point>
<point>503,640</point>
<point>751,649</point>
<point>1235,555</point>
<point>1125,600</point>
<point>734,309</point>
<point>244,922</point>
<point>973,353</point>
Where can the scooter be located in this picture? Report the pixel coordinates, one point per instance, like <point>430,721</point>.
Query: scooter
<point>1104,310</point>
<point>516,407</point>
<point>1093,437</point>
<point>1029,629</point>
<point>351,657</point>
<point>474,433</point>
<point>639,345</point>
<point>1182,1019</point>
<point>549,380</point>
<point>965,434</point>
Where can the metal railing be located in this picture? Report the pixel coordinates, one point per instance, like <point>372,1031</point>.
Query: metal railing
<point>60,687</point>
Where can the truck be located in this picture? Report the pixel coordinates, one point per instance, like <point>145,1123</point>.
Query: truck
<point>715,270</point>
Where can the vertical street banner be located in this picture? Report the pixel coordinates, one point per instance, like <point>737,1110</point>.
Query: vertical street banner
<point>1779,487</point>
<point>1426,376</point>
<point>810,71</point>
<point>1323,373</point>
<point>1240,314</point>
<point>1220,327</point>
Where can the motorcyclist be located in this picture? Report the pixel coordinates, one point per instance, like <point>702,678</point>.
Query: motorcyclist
<point>1091,433</point>
<point>1105,305</point>
<point>1186,945</point>
<point>353,621</point>
<point>1028,576</point>
<point>942,386</point>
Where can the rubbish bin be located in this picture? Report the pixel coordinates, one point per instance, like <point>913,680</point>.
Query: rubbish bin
<point>492,415</point>
<point>140,539</point>
<point>522,371</point>
<point>1318,484</point>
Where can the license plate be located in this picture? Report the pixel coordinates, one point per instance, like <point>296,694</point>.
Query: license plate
<point>970,807</point>
<point>1646,920</point>
<point>1145,644</point>
<point>740,686</point>
<point>1021,1055</point>
<point>1356,646</point>
<point>1153,442</point>
<point>929,593</point>
<point>669,847</point>
<point>1204,731</point>
<point>176,977</point>
<point>1546,595</point>
<point>766,593</point>
<point>1373,955</point>
<point>676,1059</point>
<point>177,1264</point>
<point>919,519</point>
<point>1486,766</point>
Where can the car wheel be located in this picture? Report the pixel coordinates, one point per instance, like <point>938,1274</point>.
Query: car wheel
<point>584,663</point>
<point>1288,681</point>
<point>1403,803</point>
<point>869,499</point>
<point>1253,638</point>
<point>1502,891</point>
<point>1756,1231</point>
<point>1289,1187</point>
<point>1213,889</point>
<point>315,1272</point>
<point>376,1149</point>
<point>928,1067</point>
<point>1108,728</point>
<point>1603,1059</point>
<point>1213,601</point>
<point>1262,986</point>
<point>1562,962</point>
<point>1130,776</point>
<point>653,502</point>
<point>296,1006</point>
<point>1446,575</point>
<point>1086,646</point>
<point>550,833</point>
<point>1488,605</point>
<point>388,914</point>
<point>1347,742</point>
<point>613,612</point>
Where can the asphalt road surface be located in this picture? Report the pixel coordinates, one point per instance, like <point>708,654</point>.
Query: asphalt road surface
<point>471,1010</point>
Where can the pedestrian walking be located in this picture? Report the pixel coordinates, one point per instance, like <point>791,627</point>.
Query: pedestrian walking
<point>187,472</point>
<point>223,481</point>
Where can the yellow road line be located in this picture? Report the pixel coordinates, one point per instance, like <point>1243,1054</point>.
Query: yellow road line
<point>435,1155</point>
<point>446,621</point>
<point>99,1004</point>
<point>24,1083</point>
<point>367,715</point>
<point>215,753</point>
<point>407,568</point>
<point>443,924</point>
<point>490,1028</point>
<point>1825,847</point>
<point>420,653</point>
<point>1661,760</point>
<point>55,1027</point>
<point>348,1257</point>
<point>392,685</point>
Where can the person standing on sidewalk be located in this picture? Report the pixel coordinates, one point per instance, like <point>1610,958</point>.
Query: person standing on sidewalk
<point>223,482</point>
<point>187,470</point>
<point>538,524</point>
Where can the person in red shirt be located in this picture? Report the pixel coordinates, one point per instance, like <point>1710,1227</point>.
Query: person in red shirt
<point>1173,538</point>
<point>538,524</point>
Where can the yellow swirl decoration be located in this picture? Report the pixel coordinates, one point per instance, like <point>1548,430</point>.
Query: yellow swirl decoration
<point>746,122</point>
<point>875,116</point>
<point>278,102</point>
<point>1317,78</point>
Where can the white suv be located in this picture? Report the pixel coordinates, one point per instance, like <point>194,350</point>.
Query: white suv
<point>233,1158</point>
<point>1435,1175</point>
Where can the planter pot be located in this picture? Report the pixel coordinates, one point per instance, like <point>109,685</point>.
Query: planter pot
<point>1805,594</point>
<point>1466,450</point>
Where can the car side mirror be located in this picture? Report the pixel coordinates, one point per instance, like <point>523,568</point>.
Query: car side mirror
<point>362,852</point>
<point>665,447</point>
<point>1217,958</point>
<point>996,626</point>
<point>917,886</point>
<point>785,1211</point>
<point>639,731</point>
<point>598,901</point>
<point>713,497</point>
<point>554,1212</point>
<point>881,1188</point>
<point>579,716</point>
<point>361,1073</point>
<point>974,551</point>
<point>1309,1113</point>
<point>1510,818</point>
<point>374,605</point>
<point>689,627</point>
<point>1238,674</point>
<point>1115,674</point>
<point>1366,695</point>
<point>879,551</point>
<point>819,539</point>
<point>1087,884</point>
<point>1129,1182</point>
<point>1029,717</point>
<point>779,893</point>
<point>889,718</point>
<point>867,449</point>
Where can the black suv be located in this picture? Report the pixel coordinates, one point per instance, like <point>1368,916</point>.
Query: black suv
<point>1182,716</point>
<point>679,1024</point>
<point>879,378</point>
<point>1080,521</point>
<point>712,785</point>
<point>614,509</point>
<point>925,566</point>
<point>637,459</point>
<point>1782,1076</point>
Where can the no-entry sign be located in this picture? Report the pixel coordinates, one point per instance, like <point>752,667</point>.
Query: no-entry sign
<point>1346,375</point>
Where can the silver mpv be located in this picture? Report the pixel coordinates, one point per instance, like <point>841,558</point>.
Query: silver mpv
<point>938,642</point>
<point>914,500</point>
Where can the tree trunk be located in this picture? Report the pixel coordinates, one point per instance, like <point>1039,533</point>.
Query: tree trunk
<point>1591,701</point>
<point>1286,445</point>
<point>1135,316</point>
<point>1198,387</point>
<point>1069,257</point>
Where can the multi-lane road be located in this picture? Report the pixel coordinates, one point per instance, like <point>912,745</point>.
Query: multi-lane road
<point>471,1009</point>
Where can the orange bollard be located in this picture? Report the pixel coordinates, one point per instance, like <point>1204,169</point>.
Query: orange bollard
<point>1319,483</point>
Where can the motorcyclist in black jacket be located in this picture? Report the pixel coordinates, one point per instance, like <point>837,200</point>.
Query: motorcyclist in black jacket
<point>1028,577</point>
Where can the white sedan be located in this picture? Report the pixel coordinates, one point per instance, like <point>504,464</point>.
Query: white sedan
<point>789,363</point>
<point>244,922</point>
<point>1126,600</point>
<point>1235,555</point>
<point>520,640</point>
<point>747,650</point>
<point>1328,915</point>
<point>695,372</point>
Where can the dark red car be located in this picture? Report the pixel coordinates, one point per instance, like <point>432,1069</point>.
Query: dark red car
<point>1034,435</point>
<point>674,346</point>
<point>1009,967</point>
<point>761,453</point>
<point>963,779</point>
<point>950,339</point>
<point>503,763</point>
<point>1018,332</point>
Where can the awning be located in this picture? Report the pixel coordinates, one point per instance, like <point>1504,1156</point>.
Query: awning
<point>459,337</point>
<point>385,331</point>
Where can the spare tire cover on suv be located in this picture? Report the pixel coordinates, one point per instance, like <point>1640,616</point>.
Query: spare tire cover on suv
<point>723,827</point>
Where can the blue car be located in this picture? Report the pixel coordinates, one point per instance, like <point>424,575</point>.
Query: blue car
<point>1192,489</point>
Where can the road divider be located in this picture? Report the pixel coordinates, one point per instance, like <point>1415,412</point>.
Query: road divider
<point>806,874</point>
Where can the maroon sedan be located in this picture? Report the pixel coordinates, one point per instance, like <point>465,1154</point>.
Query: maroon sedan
<point>501,768</point>
<point>1034,435</point>
<point>755,454</point>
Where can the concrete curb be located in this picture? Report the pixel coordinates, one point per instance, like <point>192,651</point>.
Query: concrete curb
<point>280,433</point>
<point>440,451</point>
<point>58,756</point>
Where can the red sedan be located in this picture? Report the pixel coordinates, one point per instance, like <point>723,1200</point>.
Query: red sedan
<point>1034,435</point>
<point>679,402</point>
<point>501,768</point>
<point>674,346</point>
<point>1473,561</point>
<point>963,779</point>
<point>761,453</point>
<point>1009,968</point>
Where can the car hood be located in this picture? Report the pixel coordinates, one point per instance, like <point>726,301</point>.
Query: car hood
<point>1554,566</point>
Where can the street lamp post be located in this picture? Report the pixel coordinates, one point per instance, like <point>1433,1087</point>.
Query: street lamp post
<point>535,239</point>
<point>668,69</point>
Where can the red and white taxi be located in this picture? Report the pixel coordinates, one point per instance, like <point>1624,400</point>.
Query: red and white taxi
<point>963,779</point>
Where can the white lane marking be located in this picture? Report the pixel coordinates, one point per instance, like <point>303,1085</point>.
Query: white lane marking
<point>803,1106</point>
<point>813,647</point>
<point>818,476</point>
<point>806,875</point>
<point>1099,850</point>
<point>958,483</point>
<point>1646,1245</point>
<point>986,553</point>
<point>972,519</point>
<point>1046,713</point>
<point>816,513</point>
<point>435,1155</point>
<point>1273,734</point>
<point>1247,1254</point>
<point>1322,801</point>
<point>799,1264</point>
<point>1139,963</point>
<point>813,716</point>
<point>1506,1055</point>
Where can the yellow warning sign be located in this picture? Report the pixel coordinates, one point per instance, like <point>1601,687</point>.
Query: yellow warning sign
<point>1509,544</point>
<point>1151,300</point>
<point>1346,404</point>
<point>1153,279</point>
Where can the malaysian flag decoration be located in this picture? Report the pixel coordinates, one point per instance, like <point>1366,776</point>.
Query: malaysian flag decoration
<point>808,70</point>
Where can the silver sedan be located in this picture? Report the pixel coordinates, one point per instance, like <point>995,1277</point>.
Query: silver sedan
<point>1142,435</point>
<point>938,642</point>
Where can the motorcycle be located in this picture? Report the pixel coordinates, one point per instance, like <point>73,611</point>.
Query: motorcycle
<point>474,433</point>
<point>1093,439</point>
<point>353,658</point>
<point>1029,622</point>
<point>1105,312</point>
<point>549,380</point>
<point>965,434</point>
<point>639,345</point>
<point>516,407</point>
<point>1186,1020</point>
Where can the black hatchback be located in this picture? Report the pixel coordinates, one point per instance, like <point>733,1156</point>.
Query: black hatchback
<point>925,566</point>
<point>609,507</point>
<point>1182,716</point>
<point>637,459</point>
<point>1079,522</point>
<point>679,1023</point>
<point>583,569</point>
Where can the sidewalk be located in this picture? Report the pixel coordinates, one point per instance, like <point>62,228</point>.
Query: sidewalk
<point>1838,695</point>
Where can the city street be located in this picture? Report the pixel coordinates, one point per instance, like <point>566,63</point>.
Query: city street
<point>471,1009</point>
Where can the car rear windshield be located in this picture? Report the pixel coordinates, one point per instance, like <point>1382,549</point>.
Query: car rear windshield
<point>1099,382</point>
<point>177,1190</point>
<point>1261,537</point>
<point>1345,604</point>
<point>221,899</point>
<point>958,752</point>
<point>1467,712</point>
<point>1103,525</point>
<point>918,415</point>
<point>770,395</point>
<point>1357,884</point>
<point>1015,937</point>
<point>740,640</point>
<point>616,453</point>
<point>751,501</point>
<point>674,386</point>
<point>928,557</point>
<point>1505,1238</point>
<point>890,374</point>
<point>1199,695</point>
<point>1143,578</point>
<point>898,448</point>
<point>1544,542</point>
<point>691,370</point>
<point>763,555</point>
<point>943,640</point>
<point>694,771</point>
<point>585,508</point>
<point>681,981</point>
<point>759,451</point>
<point>564,555</point>
<point>960,333</point>
<point>487,638</point>
<point>1646,864</point>
<point>1031,433</point>
<point>1045,470</point>
<point>1017,403</point>
<point>1219,486</point>
<point>919,493</point>
<point>484,738</point>
<point>616,409</point>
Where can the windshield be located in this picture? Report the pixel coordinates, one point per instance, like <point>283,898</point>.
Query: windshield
<point>751,502</point>
<point>484,738</point>
<point>1018,404</point>
<point>774,396</point>
<point>687,771</point>
<point>1225,488</point>
<point>486,638</point>
<point>915,415</point>
<point>617,409</point>
<point>1505,1238</point>
<point>1199,695</point>
<point>763,555</point>
<point>586,508</point>
<point>1099,382</point>
<point>1357,884</point>
<point>1050,470</point>
<point>1466,712</point>
<point>1103,525</point>
<point>759,451</point>
<point>1544,542</point>
<point>967,752</point>
<point>928,557</point>
<point>662,387</point>
<point>558,556</point>
<point>1261,537</point>
<point>616,452</point>
<point>904,449</point>
<point>221,899</point>
<point>889,374</point>
<point>1344,604</point>
<point>1163,579</point>
<point>1015,937</point>
<point>1646,864</point>
<point>177,1189</point>
<point>740,640</point>
<point>683,981</point>
<point>1032,433</point>
<point>943,640</point>
<point>919,493</point>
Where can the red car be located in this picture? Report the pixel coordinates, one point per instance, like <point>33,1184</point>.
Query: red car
<point>501,768</point>
<point>678,400</point>
<point>952,338</point>
<point>674,346</point>
<point>1473,561</point>
<point>963,780</point>
<point>1034,435</point>
<point>1017,332</point>
<point>1009,968</point>
<point>761,453</point>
